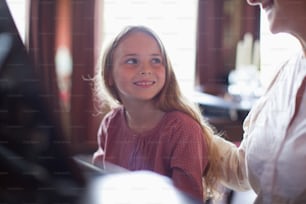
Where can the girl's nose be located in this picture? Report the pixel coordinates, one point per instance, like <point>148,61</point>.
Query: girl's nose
<point>144,72</point>
<point>145,69</point>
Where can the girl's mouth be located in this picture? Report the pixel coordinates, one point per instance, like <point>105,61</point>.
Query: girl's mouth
<point>144,83</point>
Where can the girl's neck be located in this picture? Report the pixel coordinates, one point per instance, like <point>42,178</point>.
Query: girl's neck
<point>141,119</point>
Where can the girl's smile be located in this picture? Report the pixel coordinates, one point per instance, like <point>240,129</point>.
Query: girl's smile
<point>144,83</point>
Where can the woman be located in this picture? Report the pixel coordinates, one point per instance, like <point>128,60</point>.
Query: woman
<point>273,147</point>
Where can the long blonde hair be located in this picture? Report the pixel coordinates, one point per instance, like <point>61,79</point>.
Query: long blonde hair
<point>170,98</point>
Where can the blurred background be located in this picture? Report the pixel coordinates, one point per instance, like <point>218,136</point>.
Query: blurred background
<point>222,52</point>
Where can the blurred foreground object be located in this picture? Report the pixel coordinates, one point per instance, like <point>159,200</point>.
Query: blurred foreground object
<point>137,187</point>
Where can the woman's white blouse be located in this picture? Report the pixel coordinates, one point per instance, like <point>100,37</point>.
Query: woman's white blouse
<point>274,144</point>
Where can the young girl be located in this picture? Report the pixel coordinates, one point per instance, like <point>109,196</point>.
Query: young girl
<point>150,125</point>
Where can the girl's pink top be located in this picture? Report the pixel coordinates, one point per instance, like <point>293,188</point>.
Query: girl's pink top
<point>175,148</point>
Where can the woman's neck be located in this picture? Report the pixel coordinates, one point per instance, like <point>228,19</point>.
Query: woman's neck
<point>300,34</point>
<point>303,44</point>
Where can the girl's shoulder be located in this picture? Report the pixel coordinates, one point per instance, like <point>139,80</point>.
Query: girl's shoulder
<point>114,115</point>
<point>180,119</point>
<point>180,126</point>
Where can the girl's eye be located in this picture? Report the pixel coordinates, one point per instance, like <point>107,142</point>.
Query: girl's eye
<point>156,61</point>
<point>132,61</point>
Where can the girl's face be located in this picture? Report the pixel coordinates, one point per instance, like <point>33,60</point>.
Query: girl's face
<point>283,15</point>
<point>138,68</point>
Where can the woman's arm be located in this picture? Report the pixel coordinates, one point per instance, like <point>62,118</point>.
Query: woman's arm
<point>233,166</point>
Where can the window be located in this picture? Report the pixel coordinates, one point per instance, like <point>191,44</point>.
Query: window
<point>173,20</point>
